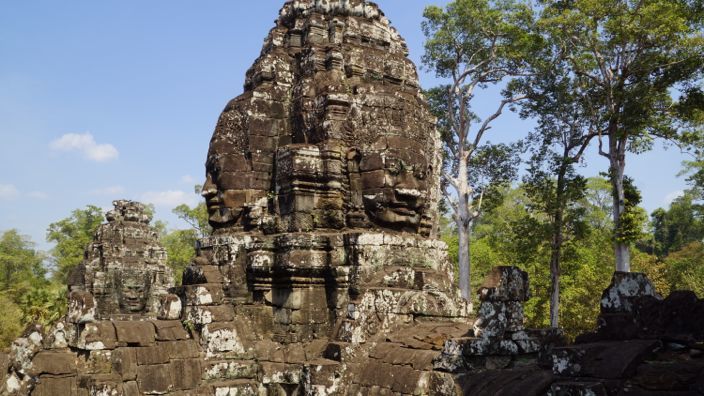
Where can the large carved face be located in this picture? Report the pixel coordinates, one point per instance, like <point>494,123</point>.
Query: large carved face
<point>395,175</point>
<point>228,185</point>
<point>134,292</point>
<point>238,170</point>
<point>224,190</point>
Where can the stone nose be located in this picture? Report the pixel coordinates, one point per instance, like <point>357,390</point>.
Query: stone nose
<point>407,184</point>
<point>209,188</point>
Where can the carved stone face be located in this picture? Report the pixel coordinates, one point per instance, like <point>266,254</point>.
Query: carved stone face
<point>394,182</point>
<point>224,189</point>
<point>134,292</point>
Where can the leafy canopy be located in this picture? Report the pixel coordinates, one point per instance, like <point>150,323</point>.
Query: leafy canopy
<point>71,236</point>
<point>635,54</point>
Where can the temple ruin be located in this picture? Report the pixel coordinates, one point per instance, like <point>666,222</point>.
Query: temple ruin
<point>324,274</point>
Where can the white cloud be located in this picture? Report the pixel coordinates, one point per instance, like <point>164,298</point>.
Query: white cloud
<point>672,196</point>
<point>169,199</point>
<point>8,191</point>
<point>38,195</point>
<point>86,144</point>
<point>112,190</point>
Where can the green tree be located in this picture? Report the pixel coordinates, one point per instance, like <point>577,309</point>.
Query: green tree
<point>180,244</point>
<point>26,296</point>
<point>633,217</point>
<point>556,99</point>
<point>43,305</point>
<point>472,44</point>
<point>21,265</point>
<point>196,217</point>
<point>180,248</point>
<point>585,273</point>
<point>514,233</point>
<point>634,55</point>
<point>654,268</point>
<point>679,225</point>
<point>495,237</point>
<point>71,236</point>
<point>597,203</point>
<point>10,321</point>
<point>685,268</point>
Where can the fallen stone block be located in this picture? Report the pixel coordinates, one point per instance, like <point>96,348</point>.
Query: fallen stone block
<point>568,388</point>
<point>608,360</point>
<point>524,382</point>
<point>625,288</point>
<point>664,375</point>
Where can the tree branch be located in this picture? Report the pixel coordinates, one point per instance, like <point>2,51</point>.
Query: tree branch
<point>601,147</point>
<point>478,211</point>
<point>451,202</point>
<point>485,125</point>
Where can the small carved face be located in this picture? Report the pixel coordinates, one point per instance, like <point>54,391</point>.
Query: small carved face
<point>394,182</point>
<point>134,290</point>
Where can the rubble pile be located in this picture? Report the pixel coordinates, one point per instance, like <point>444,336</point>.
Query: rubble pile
<point>643,345</point>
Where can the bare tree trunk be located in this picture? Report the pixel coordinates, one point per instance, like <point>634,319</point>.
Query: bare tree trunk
<point>463,222</point>
<point>623,254</point>
<point>555,288</point>
<point>618,165</point>
<point>465,274</point>
<point>556,253</point>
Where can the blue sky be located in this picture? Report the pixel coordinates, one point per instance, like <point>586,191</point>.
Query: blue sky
<point>118,99</point>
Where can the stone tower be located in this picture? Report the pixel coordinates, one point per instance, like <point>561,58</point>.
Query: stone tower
<point>322,183</point>
<point>125,266</point>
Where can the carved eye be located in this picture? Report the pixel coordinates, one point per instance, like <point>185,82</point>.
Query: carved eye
<point>419,172</point>
<point>394,167</point>
<point>212,167</point>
